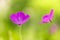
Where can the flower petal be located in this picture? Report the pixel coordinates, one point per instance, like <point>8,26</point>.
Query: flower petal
<point>51,14</point>
<point>25,19</point>
<point>21,14</point>
<point>46,19</point>
<point>14,19</point>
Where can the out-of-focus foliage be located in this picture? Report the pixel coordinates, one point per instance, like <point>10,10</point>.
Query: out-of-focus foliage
<point>31,30</point>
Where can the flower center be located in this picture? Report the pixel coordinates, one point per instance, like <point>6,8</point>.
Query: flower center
<point>19,19</point>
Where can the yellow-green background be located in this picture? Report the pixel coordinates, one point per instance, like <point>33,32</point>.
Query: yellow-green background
<point>31,30</point>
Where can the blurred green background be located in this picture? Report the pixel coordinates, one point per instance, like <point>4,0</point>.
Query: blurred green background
<point>31,30</point>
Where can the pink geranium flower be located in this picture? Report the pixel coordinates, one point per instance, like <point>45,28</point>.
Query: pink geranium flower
<point>19,18</point>
<point>48,17</point>
<point>53,28</point>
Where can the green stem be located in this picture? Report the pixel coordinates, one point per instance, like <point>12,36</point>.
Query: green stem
<point>20,35</point>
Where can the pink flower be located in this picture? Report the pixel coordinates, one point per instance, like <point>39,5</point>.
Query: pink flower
<point>48,17</point>
<point>53,28</point>
<point>19,18</point>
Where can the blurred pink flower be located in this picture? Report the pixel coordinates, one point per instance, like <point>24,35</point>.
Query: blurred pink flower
<point>48,17</point>
<point>53,28</point>
<point>19,18</point>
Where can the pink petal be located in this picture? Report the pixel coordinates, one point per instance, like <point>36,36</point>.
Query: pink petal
<point>51,14</point>
<point>14,19</point>
<point>21,14</point>
<point>25,19</point>
<point>46,19</point>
